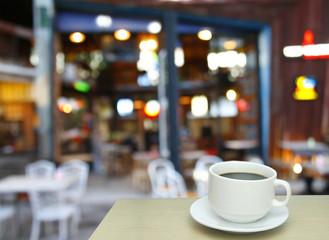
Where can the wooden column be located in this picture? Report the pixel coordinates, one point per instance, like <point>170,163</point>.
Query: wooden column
<point>292,119</point>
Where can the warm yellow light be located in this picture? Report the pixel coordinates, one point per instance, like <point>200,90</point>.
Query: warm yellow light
<point>153,45</point>
<point>152,108</point>
<point>148,45</point>
<point>307,94</point>
<point>305,89</point>
<point>67,108</point>
<point>298,168</point>
<point>185,100</point>
<point>199,106</point>
<point>229,45</point>
<point>138,104</point>
<point>143,46</point>
<point>201,175</point>
<point>77,37</point>
<point>231,95</point>
<point>179,57</point>
<point>122,34</point>
<point>205,35</point>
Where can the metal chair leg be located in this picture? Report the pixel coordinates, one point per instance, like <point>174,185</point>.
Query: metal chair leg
<point>35,230</point>
<point>62,230</point>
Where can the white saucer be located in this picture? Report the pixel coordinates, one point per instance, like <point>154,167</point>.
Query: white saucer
<point>202,213</point>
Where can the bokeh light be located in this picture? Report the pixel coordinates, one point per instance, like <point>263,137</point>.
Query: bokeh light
<point>125,107</point>
<point>154,27</point>
<point>77,37</point>
<point>231,95</point>
<point>199,106</point>
<point>205,35</point>
<point>103,21</point>
<point>150,45</point>
<point>152,108</point>
<point>242,105</point>
<point>122,34</point>
<point>297,168</point>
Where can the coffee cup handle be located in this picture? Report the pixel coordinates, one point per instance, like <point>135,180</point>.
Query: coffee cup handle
<point>286,185</point>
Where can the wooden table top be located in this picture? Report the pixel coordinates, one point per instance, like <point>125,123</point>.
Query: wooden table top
<point>158,219</point>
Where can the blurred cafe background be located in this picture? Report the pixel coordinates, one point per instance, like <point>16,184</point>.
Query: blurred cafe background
<point>119,84</point>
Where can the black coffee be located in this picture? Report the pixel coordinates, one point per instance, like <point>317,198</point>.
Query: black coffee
<point>243,176</point>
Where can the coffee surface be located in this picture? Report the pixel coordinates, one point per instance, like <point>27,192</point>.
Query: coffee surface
<point>243,176</point>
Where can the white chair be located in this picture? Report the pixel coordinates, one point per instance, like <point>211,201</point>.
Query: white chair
<point>165,180</point>
<point>157,173</point>
<point>7,213</point>
<point>79,169</point>
<point>200,173</point>
<point>41,168</point>
<point>49,207</point>
<point>176,184</point>
<point>75,193</point>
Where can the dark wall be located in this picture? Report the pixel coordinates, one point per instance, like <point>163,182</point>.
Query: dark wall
<point>292,119</point>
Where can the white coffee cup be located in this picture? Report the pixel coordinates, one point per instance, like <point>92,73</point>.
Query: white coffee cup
<point>244,201</point>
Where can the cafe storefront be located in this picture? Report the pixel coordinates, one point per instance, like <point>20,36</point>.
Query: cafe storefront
<point>208,89</point>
